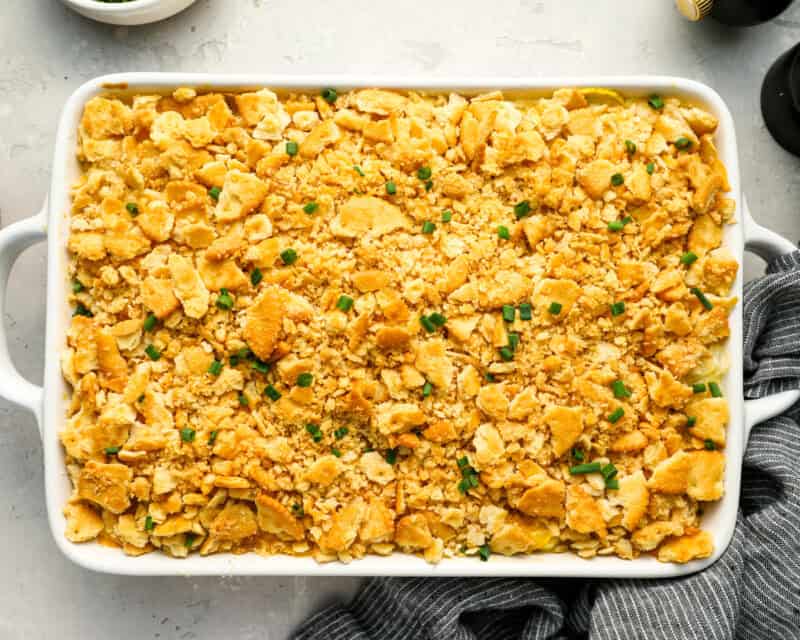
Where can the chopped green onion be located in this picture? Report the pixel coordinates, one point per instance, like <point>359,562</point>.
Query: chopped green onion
<point>297,509</point>
<point>427,323</point>
<point>469,476</point>
<point>329,95</point>
<point>702,298</point>
<point>150,322</point>
<point>616,225</point>
<point>291,148</point>
<point>341,432</point>
<point>391,455</point>
<point>447,215</point>
<point>438,319</point>
<point>522,209</point>
<point>215,368</point>
<point>77,287</point>
<point>489,376</point>
<point>81,310</point>
<point>112,450</point>
<point>612,483</point>
<point>525,311</point>
<point>212,437</point>
<point>271,392</point>
<point>691,421</point>
<point>214,192</point>
<point>620,390</point>
<point>688,258</point>
<point>630,147</point>
<point>336,452</point>
<point>586,467</point>
<point>189,540</point>
<point>261,366</point>
<point>509,312</point>
<point>305,380</point>
<point>484,552</point>
<point>656,102</point>
<point>651,166</point>
<point>428,227</point>
<point>224,300</point>
<point>428,185</point>
<point>132,208</point>
<point>187,434</point>
<point>344,303</point>
<point>427,389</point>
<point>315,431</point>
<point>617,179</point>
<point>256,276</point>
<point>577,454</point>
<point>310,207</point>
<point>288,256</point>
<point>709,444</point>
<point>617,308</point>
<point>424,173</point>
<point>506,354</point>
<point>513,340</point>
<point>503,232</point>
<point>616,415</point>
<point>243,401</point>
<point>391,188</point>
<point>627,220</point>
<point>608,471</point>
<point>700,387</point>
<point>716,392</point>
<point>358,170</point>
<point>149,525</point>
<point>241,354</point>
<point>152,352</point>
<point>555,308</point>
<point>683,143</point>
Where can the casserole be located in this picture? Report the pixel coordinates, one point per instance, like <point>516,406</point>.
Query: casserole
<point>720,518</point>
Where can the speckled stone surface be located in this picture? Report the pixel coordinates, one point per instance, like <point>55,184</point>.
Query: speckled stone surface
<point>46,52</point>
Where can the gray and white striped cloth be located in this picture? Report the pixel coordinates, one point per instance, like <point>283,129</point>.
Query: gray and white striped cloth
<point>751,593</point>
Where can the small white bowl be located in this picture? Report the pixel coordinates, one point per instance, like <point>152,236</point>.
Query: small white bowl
<point>128,13</point>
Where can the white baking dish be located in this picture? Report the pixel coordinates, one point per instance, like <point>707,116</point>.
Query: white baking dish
<point>48,403</point>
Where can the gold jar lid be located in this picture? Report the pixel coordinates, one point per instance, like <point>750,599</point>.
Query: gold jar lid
<point>695,10</point>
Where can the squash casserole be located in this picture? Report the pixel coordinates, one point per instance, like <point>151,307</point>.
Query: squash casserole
<point>368,322</point>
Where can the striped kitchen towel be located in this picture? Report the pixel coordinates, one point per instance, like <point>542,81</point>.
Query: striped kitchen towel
<point>751,593</point>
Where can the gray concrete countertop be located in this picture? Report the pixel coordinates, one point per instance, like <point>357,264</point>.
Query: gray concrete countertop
<point>46,52</point>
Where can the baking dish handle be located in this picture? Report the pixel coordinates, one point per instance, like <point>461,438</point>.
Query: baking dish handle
<point>14,239</point>
<point>767,245</point>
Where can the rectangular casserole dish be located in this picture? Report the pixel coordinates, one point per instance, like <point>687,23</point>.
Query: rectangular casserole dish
<point>48,403</point>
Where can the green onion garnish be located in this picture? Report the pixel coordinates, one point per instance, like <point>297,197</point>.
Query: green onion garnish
<point>341,432</point>
<point>77,287</point>
<point>683,143</point>
<point>586,467</point>
<point>256,276</point>
<point>555,308</point>
<point>215,368</point>
<point>525,311</point>
<point>688,258</point>
<point>305,380</point>
<point>506,354</point>
<point>212,437</point>
<point>616,225</point>
<point>271,392</point>
<point>310,207</point>
<point>447,215</point>
<point>329,95</point>
<point>617,179</point>
<point>437,319</point>
<point>344,303</point>
<point>214,192</point>
<point>243,401</point>
<point>149,525</point>
<point>424,173</point>
<point>709,444</point>
<point>391,188</point>
<point>261,366</point>
<point>513,340</point>
<point>187,434</point>
<point>630,147</point>
<point>577,454</point>
<point>427,323</point>
<point>522,209</point>
<point>314,430</point>
<point>484,552</point>
<point>152,352</point>
<point>428,227</point>
<point>651,166</point>
<point>336,452</point>
<point>291,148</point>
<point>716,392</point>
<point>702,298</point>
<point>616,415</point>
<point>224,300</point>
<point>81,310</point>
<point>427,389</point>
<point>110,451</point>
<point>391,455</point>
<point>358,170</point>
<point>620,390</point>
<point>288,256</point>
<point>700,387</point>
<point>503,232</point>
<point>656,102</point>
<point>150,322</point>
<point>509,312</point>
<point>691,421</point>
<point>132,208</point>
<point>617,308</point>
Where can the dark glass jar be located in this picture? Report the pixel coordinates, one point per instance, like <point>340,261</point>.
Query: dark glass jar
<point>737,13</point>
<point>780,100</point>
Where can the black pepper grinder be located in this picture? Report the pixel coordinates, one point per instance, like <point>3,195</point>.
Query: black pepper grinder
<point>736,13</point>
<point>780,100</point>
